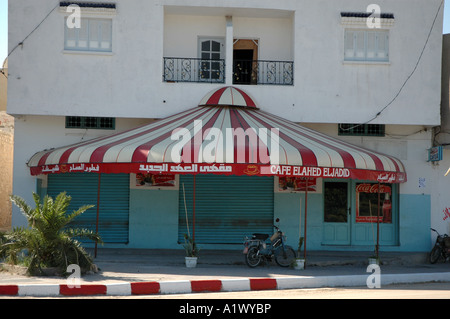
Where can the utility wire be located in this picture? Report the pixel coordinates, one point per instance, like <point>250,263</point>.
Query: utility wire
<point>21,43</point>
<point>407,79</point>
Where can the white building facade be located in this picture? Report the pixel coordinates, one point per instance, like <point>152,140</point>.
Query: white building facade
<point>333,66</point>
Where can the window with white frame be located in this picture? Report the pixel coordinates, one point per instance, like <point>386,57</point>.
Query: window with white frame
<point>366,45</point>
<point>92,35</point>
<point>211,54</point>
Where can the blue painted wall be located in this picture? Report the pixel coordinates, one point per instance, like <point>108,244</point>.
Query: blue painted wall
<point>154,221</point>
<point>288,208</point>
<point>415,222</point>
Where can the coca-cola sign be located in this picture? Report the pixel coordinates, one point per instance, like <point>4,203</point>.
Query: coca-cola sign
<point>372,188</point>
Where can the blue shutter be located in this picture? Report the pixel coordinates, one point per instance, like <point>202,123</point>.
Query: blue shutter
<point>114,202</point>
<point>227,208</point>
<point>114,208</point>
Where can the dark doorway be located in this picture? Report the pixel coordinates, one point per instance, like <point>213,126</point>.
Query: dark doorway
<point>243,67</point>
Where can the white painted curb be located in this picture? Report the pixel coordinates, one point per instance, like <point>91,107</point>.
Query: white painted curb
<point>229,285</point>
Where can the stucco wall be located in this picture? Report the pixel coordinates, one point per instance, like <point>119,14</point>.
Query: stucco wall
<point>128,82</point>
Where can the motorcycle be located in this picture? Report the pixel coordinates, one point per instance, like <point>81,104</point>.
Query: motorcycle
<point>441,248</point>
<point>257,250</point>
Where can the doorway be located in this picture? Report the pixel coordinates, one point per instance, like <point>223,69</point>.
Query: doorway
<point>336,229</point>
<point>245,65</point>
<point>350,213</point>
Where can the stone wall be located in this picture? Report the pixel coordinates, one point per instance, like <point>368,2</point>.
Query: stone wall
<point>6,168</point>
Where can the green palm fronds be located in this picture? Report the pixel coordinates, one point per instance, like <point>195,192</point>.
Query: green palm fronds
<point>48,241</point>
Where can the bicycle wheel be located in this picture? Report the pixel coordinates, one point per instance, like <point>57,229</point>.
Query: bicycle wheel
<point>284,256</point>
<point>253,258</point>
<point>435,254</point>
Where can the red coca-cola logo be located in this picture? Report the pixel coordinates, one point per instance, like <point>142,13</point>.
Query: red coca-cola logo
<point>372,188</point>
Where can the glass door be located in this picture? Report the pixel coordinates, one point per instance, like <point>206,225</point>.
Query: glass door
<point>211,64</point>
<point>336,222</point>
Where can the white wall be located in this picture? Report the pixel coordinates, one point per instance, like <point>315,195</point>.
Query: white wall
<point>181,33</point>
<point>440,185</point>
<point>36,133</point>
<point>128,83</point>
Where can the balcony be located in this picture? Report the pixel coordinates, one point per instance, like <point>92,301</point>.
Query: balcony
<point>245,72</point>
<point>262,72</point>
<point>194,70</point>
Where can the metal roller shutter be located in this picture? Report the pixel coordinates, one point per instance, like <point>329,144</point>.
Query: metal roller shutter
<point>114,202</point>
<point>227,208</point>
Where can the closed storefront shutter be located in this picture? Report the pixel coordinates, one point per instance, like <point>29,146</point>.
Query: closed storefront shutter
<point>227,208</point>
<point>113,219</point>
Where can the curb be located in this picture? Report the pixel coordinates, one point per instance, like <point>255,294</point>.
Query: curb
<point>224,285</point>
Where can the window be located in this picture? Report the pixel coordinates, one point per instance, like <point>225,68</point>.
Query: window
<point>93,35</point>
<point>102,123</point>
<point>211,60</point>
<point>367,203</point>
<point>366,45</point>
<point>335,202</point>
<point>361,129</point>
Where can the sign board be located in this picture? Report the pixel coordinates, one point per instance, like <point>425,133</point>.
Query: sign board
<point>435,154</point>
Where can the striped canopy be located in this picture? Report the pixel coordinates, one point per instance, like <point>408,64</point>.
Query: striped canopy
<point>222,139</point>
<point>228,96</point>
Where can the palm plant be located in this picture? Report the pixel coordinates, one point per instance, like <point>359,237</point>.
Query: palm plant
<point>48,241</point>
<point>190,247</point>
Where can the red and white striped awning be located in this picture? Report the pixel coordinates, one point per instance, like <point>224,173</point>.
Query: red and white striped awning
<point>228,96</point>
<point>223,139</point>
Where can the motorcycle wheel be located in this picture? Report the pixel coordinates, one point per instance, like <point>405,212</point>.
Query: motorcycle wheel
<point>252,258</point>
<point>435,254</point>
<point>284,257</point>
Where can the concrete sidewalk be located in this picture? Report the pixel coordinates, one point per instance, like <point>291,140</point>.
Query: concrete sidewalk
<point>133,272</point>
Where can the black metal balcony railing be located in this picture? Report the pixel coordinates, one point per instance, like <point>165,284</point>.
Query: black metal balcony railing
<point>194,70</point>
<point>263,72</point>
<point>260,72</point>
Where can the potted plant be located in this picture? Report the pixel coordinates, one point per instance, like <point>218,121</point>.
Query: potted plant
<point>374,260</point>
<point>299,262</point>
<point>191,249</point>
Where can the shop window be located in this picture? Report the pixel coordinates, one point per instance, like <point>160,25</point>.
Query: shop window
<point>101,123</point>
<point>361,129</point>
<point>367,203</point>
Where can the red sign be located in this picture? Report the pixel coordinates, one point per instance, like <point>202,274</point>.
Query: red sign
<point>367,203</point>
<point>296,184</point>
<point>372,188</point>
<point>222,168</point>
<point>155,180</point>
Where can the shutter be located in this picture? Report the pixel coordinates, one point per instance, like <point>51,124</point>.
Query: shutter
<point>227,208</point>
<point>349,45</point>
<point>114,208</point>
<point>114,202</point>
<point>360,45</point>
